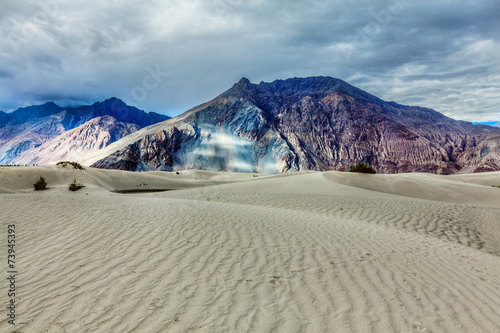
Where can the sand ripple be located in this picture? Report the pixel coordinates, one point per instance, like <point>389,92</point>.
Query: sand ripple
<point>284,254</point>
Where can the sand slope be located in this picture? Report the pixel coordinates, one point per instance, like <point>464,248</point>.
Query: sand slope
<point>315,252</point>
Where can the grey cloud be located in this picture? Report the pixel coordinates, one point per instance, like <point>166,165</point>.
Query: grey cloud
<point>83,52</point>
<point>446,76</point>
<point>5,74</point>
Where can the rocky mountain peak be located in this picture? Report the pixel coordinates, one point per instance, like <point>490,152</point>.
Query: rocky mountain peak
<point>25,114</point>
<point>272,95</point>
<point>244,82</point>
<point>113,101</point>
<point>242,89</point>
<point>316,87</point>
<point>50,104</point>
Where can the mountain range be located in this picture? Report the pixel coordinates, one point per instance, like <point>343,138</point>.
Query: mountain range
<point>315,123</point>
<point>47,133</point>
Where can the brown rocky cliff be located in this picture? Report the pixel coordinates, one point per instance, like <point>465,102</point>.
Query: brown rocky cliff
<point>317,123</point>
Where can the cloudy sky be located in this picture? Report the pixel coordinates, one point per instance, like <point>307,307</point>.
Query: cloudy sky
<point>168,56</point>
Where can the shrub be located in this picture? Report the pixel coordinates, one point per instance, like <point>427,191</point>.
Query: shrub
<point>74,186</point>
<point>362,168</point>
<point>40,184</point>
<point>75,165</point>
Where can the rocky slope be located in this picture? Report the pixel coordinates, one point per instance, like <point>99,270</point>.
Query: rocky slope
<point>75,144</point>
<point>317,123</point>
<point>29,128</point>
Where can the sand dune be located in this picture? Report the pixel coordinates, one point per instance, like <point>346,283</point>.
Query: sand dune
<point>305,252</point>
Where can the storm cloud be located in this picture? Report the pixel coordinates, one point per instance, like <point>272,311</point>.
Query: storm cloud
<point>168,56</point>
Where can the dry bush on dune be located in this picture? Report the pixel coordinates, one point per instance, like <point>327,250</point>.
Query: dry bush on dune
<point>74,186</point>
<point>362,168</point>
<point>40,184</point>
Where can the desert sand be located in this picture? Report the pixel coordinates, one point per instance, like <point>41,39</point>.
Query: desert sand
<point>218,252</point>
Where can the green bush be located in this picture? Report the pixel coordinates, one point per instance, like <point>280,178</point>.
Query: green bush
<point>40,184</point>
<point>74,186</point>
<point>362,168</point>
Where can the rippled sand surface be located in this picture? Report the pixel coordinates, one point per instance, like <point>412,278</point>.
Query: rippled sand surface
<point>306,252</point>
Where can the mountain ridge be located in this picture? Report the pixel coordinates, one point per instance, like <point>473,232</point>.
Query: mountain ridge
<point>74,144</point>
<point>316,123</point>
<point>28,128</point>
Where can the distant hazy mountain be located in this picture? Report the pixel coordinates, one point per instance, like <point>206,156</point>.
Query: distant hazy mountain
<point>317,123</point>
<point>30,127</point>
<point>490,123</point>
<point>23,115</point>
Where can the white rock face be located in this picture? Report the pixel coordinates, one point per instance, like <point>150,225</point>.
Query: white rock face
<point>75,144</point>
<point>30,127</point>
<point>14,140</point>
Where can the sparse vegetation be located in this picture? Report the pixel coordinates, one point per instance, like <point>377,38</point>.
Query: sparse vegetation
<point>75,165</point>
<point>74,186</point>
<point>362,167</point>
<point>40,184</point>
<point>497,186</point>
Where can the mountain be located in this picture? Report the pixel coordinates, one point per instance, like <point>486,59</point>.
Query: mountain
<point>23,115</point>
<point>74,144</point>
<point>316,123</point>
<point>28,128</point>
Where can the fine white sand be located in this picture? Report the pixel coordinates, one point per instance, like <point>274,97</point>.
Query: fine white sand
<point>305,252</point>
